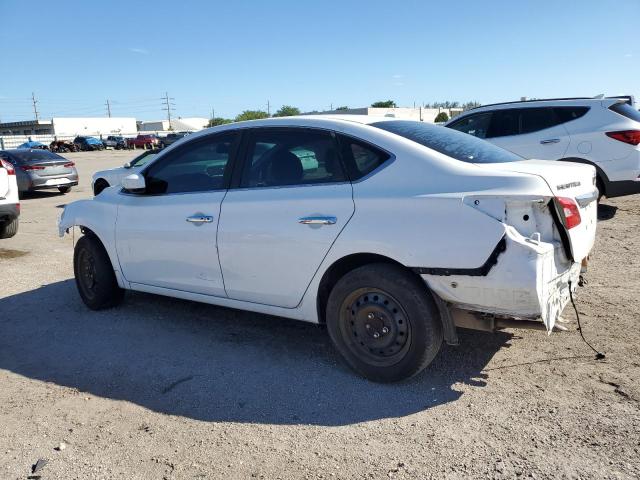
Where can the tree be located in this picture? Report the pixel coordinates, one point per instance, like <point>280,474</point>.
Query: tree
<point>214,122</point>
<point>287,111</point>
<point>344,107</point>
<point>251,115</point>
<point>441,117</point>
<point>470,105</point>
<point>384,104</point>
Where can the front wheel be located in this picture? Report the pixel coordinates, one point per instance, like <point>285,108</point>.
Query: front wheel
<point>64,189</point>
<point>95,278</point>
<point>383,322</point>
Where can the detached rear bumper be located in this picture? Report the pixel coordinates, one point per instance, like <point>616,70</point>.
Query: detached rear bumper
<point>529,280</point>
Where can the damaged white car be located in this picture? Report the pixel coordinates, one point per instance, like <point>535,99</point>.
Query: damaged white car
<point>391,232</point>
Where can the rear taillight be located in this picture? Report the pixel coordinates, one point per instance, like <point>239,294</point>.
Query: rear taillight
<point>27,168</point>
<point>632,137</point>
<point>8,166</point>
<point>69,165</point>
<point>569,212</point>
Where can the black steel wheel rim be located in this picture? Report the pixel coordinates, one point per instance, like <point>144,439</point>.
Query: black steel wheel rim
<point>375,326</point>
<point>87,273</point>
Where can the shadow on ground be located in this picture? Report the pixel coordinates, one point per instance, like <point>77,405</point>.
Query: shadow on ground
<point>215,364</point>
<point>606,212</point>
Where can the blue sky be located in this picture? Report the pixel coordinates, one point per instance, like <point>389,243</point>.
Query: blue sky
<point>237,55</point>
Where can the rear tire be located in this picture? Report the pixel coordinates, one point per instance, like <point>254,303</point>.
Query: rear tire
<point>64,189</point>
<point>95,278</point>
<point>383,322</point>
<point>9,229</point>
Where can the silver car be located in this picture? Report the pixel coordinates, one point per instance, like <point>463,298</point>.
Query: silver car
<point>41,169</point>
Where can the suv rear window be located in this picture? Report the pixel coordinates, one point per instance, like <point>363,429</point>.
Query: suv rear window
<point>626,110</point>
<point>452,143</point>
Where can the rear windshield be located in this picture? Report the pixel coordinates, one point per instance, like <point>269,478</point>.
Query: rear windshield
<point>626,110</point>
<point>458,145</point>
<point>35,155</point>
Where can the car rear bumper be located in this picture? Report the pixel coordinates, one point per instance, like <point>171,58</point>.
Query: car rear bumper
<point>530,280</point>
<point>40,183</point>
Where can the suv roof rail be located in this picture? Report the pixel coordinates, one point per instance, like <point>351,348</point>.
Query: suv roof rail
<point>598,97</point>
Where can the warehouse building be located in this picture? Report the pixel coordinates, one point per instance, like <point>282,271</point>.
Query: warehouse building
<point>68,127</point>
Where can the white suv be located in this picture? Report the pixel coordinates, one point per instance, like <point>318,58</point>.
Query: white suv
<point>9,203</point>
<point>603,132</point>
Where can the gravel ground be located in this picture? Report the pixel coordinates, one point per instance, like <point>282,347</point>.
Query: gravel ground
<point>163,388</point>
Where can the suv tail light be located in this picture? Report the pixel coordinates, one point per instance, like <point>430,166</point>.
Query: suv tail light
<point>69,165</point>
<point>8,166</point>
<point>632,137</point>
<point>26,168</point>
<point>569,212</point>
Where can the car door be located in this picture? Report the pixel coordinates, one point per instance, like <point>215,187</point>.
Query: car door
<point>530,132</point>
<point>291,202</point>
<point>166,235</point>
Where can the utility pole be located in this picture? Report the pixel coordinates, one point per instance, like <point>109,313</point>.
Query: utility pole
<point>268,108</point>
<point>35,106</point>
<point>108,108</point>
<point>213,113</point>
<point>168,106</point>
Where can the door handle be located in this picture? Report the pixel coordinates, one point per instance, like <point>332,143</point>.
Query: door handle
<point>550,140</point>
<point>200,219</point>
<point>317,220</point>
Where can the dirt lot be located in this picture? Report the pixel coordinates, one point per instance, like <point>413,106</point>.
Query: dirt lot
<point>162,388</point>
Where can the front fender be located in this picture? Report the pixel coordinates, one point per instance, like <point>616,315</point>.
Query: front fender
<point>99,216</point>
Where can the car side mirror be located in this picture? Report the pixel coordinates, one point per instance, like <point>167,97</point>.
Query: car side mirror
<point>134,183</point>
<point>127,165</point>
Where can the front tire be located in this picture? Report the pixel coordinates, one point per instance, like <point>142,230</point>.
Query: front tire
<point>9,229</point>
<point>64,189</point>
<point>384,323</point>
<point>95,278</point>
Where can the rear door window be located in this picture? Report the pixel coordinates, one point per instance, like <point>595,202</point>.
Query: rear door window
<point>476,125</point>
<point>536,119</point>
<point>504,122</point>
<point>360,158</point>
<point>291,156</point>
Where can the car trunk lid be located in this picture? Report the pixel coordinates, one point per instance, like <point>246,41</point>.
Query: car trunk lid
<point>565,180</point>
<point>48,168</point>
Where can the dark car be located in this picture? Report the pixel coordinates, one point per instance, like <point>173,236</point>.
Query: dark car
<point>117,142</point>
<point>41,169</point>
<point>172,138</point>
<point>88,143</point>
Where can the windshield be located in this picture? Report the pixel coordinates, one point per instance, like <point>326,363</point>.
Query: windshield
<point>452,143</point>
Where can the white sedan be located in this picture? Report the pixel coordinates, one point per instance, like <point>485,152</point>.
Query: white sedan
<point>391,232</point>
<point>113,176</point>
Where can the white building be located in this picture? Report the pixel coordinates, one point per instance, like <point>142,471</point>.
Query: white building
<point>179,124</point>
<point>67,127</point>
<point>419,114</point>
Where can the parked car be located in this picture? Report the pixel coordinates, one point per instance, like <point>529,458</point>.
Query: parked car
<point>107,178</point>
<point>143,141</point>
<point>115,142</point>
<point>171,138</point>
<point>603,132</point>
<point>33,145</point>
<point>88,144</point>
<point>391,232</point>
<point>9,202</point>
<point>41,169</point>
<point>62,146</point>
